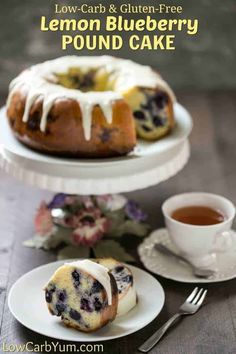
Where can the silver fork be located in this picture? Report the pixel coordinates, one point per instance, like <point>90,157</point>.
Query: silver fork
<point>189,307</point>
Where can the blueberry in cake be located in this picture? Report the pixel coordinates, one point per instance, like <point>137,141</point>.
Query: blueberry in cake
<point>84,294</point>
<point>127,297</point>
<point>89,106</point>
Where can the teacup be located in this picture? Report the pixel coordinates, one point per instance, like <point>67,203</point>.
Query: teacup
<point>199,241</point>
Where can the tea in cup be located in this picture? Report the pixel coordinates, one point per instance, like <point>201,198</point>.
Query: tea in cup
<point>199,224</point>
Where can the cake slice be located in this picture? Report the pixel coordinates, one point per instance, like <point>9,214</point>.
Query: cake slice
<point>127,297</point>
<point>84,294</point>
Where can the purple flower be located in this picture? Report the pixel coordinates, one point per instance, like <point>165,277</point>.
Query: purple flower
<point>134,212</point>
<point>58,201</point>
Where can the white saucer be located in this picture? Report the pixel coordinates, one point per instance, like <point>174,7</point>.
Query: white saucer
<point>27,304</point>
<point>170,268</point>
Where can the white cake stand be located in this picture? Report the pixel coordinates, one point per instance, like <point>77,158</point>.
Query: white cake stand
<point>149,164</point>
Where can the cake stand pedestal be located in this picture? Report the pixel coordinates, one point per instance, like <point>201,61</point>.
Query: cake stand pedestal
<point>97,180</point>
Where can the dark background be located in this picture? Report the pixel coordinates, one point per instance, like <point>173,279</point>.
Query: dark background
<point>204,61</point>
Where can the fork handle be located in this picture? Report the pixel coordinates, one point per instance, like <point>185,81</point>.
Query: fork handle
<point>154,339</point>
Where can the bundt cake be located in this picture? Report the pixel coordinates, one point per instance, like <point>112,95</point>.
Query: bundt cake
<point>127,297</point>
<point>89,106</point>
<point>84,294</point>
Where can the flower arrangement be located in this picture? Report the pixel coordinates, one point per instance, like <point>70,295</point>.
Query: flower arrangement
<point>76,226</point>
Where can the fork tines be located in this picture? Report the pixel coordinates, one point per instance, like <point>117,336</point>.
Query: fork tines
<point>197,296</point>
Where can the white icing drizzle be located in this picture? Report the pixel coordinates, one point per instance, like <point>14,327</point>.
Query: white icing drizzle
<point>87,120</point>
<point>29,101</point>
<point>124,73</point>
<point>47,105</point>
<point>98,271</point>
<point>107,111</point>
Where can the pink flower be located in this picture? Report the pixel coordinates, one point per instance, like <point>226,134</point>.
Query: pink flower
<point>90,229</point>
<point>87,201</point>
<point>43,220</point>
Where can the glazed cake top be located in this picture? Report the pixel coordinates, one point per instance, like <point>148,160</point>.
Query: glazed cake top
<point>97,271</point>
<point>40,81</point>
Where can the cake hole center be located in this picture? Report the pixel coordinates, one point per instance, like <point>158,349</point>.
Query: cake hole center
<point>85,81</point>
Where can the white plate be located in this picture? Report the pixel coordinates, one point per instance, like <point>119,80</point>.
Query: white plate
<point>27,304</point>
<point>179,133</point>
<point>171,268</point>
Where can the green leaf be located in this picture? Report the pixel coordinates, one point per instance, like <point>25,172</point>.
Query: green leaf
<point>62,235</point>
<point>29,243</point>
<point>135,228</point>
<point>38,241</point>
<point>113,249</point>
<point>116,214</point>
<point>129,227</point>
<point>73,252</point>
